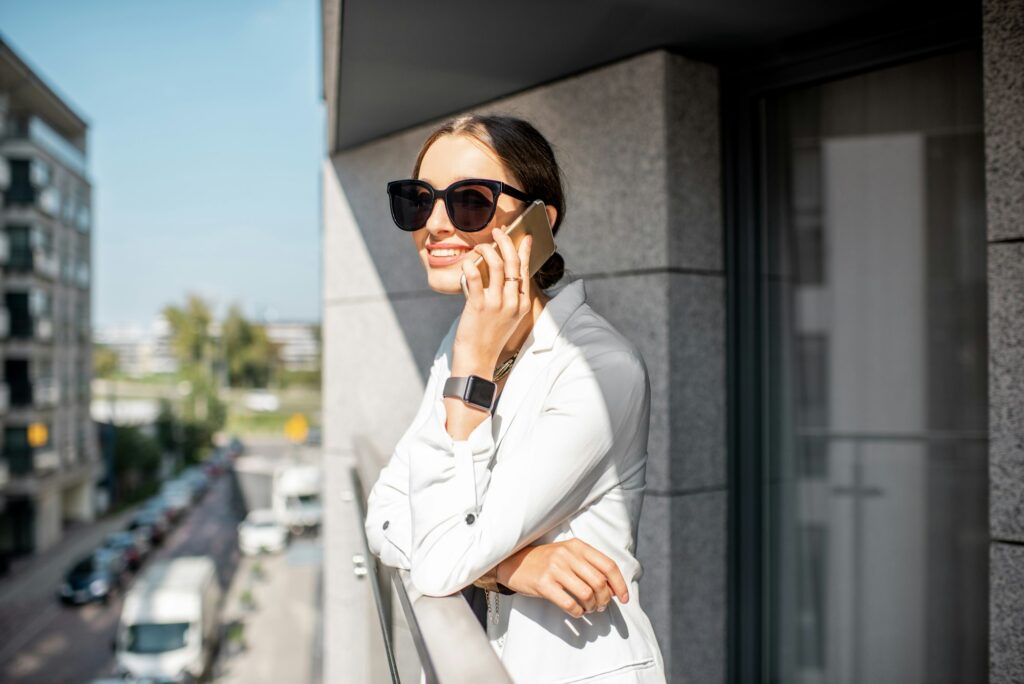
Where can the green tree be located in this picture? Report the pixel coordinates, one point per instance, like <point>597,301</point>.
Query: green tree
<point>136,462</point>
<point>196,351</point>
<point>105,361</point>
<point>252,359</point>
<point>190,330</point>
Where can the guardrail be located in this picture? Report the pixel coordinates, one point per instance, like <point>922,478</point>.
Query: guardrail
<point>451,646</point>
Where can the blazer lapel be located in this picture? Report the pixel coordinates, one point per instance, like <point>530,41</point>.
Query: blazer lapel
<point>535,356</point>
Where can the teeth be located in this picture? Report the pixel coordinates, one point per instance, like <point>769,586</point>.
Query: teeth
<point>445,252</point>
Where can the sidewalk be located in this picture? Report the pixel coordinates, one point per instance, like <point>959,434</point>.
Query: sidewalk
<point>42,572</point>
<point>281,631</point>
<point>33,580</point>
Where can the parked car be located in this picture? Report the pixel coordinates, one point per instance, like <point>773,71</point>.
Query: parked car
<point>153,521</point>
<point>197,478</point>
<point>92,578</point>
<point>261,532</point>
<point>177,496</point>
<point>235,448</point>
<point>127,545</point>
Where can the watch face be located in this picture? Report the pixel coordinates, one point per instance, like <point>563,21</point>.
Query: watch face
<point>480,392</point>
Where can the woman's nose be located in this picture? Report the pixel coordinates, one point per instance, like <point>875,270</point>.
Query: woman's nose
<point>438,222</point>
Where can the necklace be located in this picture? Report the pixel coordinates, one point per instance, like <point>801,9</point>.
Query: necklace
<point>505,367</point>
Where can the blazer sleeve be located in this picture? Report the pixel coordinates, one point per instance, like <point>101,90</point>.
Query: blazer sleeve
<point>466,520</point>
<point>388,521</point>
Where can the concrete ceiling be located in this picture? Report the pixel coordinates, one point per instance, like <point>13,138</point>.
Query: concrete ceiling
<point>404,62</point>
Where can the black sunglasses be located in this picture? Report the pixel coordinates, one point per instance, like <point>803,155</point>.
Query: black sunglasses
<point>470,203</point>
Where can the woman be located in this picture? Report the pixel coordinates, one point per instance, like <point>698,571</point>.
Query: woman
<point>529,484</point>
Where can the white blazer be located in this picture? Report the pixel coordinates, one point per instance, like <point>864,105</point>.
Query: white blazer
<point>562,456</point>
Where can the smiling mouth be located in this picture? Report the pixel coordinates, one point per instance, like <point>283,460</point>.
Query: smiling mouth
<point>446,252</point>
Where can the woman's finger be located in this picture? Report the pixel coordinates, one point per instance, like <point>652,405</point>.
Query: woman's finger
<point>474,283</point>
<point>596,579</point>
<point>553,592</point>
<point>581,590</point>
<point>508,252</point>
<point>495,269</point>
<point>525,248</point>
<point>611,571</point>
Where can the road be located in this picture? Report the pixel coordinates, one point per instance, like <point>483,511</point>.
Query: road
<point>43,642</point>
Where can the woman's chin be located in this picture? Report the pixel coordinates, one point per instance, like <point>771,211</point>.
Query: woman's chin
<point>445,283</point>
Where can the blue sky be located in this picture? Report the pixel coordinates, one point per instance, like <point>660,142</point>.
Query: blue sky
<point>206,132</point>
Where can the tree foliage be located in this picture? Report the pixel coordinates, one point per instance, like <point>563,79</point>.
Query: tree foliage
<point>105,361</point>
<point>252,359</point>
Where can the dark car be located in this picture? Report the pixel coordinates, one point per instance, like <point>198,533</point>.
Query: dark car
<point>156,522</point>
<point>235,447</point>
<point>127,545</point>
<point>92,578</point>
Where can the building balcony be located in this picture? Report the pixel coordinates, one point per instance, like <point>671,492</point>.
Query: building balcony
<point>46,459</point>
<point>5,473</point>
<point>45,393</point>
<point>46,265</point>
<point>5,398</point>
<point>5,249</point>
<point>44,329</point>
<point>5,323</point>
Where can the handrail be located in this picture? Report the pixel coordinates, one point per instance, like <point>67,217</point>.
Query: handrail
<point>372,572</point>
<point>451,645</point>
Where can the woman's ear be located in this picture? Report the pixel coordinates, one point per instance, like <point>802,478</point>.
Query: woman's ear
<point>552,214</point>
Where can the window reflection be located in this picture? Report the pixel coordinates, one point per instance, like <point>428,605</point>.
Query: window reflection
<point>876,320</point>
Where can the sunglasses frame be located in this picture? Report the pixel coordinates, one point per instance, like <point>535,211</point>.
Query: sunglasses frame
<point>497,187</point>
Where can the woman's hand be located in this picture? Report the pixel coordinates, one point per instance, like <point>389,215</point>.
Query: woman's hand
<point>572,574</point>
<point>491,314</point>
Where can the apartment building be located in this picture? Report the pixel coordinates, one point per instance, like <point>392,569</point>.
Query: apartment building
<point>298,343</point>
<point>49,467</point>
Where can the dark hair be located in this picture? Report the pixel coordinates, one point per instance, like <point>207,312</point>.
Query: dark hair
<point>528,157</point>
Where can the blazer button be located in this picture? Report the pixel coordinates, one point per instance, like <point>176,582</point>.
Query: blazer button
<point>386,523</point>
<point>470,518</point>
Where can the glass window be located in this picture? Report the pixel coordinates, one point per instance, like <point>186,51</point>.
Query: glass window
<point>876,390</point>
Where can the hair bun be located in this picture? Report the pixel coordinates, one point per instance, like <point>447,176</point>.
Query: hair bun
<point>551,272</point>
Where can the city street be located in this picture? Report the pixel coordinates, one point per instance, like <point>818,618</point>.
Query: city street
<point>46,643</point>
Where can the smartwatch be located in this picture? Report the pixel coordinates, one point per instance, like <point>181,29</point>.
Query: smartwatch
<point>473,390</point>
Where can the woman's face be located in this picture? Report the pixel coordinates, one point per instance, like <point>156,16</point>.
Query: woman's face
<point>443,247</point>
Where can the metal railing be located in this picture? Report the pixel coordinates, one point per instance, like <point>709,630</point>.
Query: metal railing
<point>451,646</point>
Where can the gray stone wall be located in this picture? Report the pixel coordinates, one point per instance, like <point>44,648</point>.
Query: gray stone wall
<point>1003,36</point>
<point>638,143</point>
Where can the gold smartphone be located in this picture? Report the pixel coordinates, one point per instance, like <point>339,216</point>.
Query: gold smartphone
<point>532,222</point>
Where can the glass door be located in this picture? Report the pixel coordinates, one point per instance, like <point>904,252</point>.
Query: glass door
<point>875,401</point>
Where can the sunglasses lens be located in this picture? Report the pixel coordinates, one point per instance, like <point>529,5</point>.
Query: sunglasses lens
<point>410,205</point>
<point>471,206</point>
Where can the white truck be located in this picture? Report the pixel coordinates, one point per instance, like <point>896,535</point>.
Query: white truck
<point>169,625</point>
<point>295,496</point>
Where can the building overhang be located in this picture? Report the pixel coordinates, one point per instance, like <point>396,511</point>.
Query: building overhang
<point>28,92</point>
<point>391,65</point>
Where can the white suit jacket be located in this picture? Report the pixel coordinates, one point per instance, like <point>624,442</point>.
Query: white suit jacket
<point>562,456</point>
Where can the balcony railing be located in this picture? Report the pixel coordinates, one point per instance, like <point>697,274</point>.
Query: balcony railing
<point>46,393</point>
<point>45,264</point>
<point>451,646</point>
<point>45,459</point>
<point>36,130</point>
<point>44,329</point>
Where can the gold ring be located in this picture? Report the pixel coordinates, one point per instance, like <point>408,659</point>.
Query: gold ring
<point>511,278</point>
